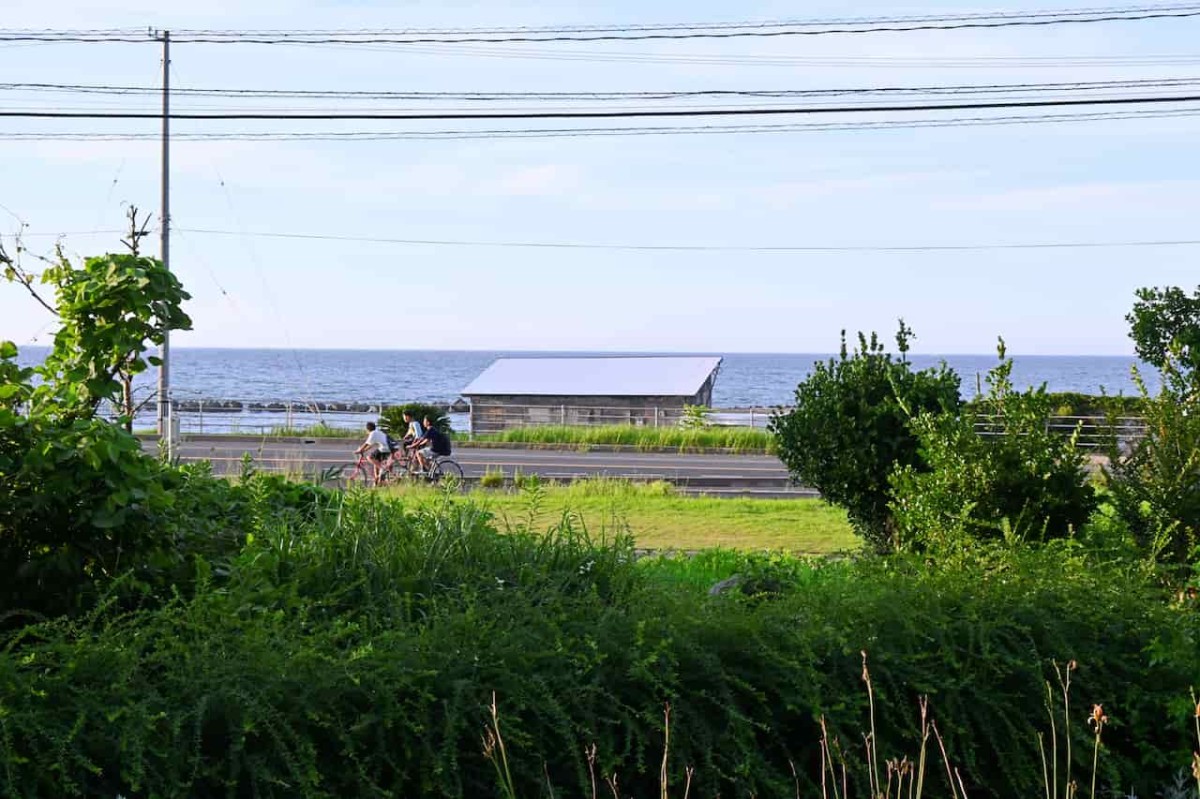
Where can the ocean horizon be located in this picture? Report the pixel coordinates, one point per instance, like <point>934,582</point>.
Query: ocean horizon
<point>393,376</point>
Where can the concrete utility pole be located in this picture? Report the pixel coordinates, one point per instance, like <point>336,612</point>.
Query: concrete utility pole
<point>164,370</point>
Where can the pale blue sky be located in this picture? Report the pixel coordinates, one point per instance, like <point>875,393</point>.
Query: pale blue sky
<point>1079,181</point>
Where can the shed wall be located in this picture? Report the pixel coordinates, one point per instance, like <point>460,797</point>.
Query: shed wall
<point>491,414</point>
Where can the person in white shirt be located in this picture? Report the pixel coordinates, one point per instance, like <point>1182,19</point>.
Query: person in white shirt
<point>377,446</point>
<point>414,430</point>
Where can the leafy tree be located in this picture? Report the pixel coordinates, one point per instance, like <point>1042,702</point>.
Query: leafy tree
<point>79,500</point>
<point>985,477</point>
<point>110,311</point>
<point>1165,326</point>
<point>849,428</point>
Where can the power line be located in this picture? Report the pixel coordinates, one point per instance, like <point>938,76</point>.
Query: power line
<point>523,133</point>
<point>727,25</point>
<point>759,60</point>
<point>625,32</point>
<point>627,114</point>
<point>562,245</point>
<point>250,38</point>
<point>992,88</point>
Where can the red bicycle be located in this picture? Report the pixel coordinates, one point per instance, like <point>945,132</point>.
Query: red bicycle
<point>362,474</point>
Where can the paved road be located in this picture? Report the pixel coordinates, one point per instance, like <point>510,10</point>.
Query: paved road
<point>745,473</point>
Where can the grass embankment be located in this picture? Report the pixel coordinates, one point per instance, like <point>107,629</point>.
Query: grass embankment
<point>659,518</point>
<point>734,439</point>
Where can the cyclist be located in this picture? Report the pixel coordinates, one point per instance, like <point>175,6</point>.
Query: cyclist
<point>414,431</point>
<point>377,445</point>
<point>433,444</point>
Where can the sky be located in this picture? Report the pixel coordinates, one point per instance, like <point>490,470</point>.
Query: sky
<point>1098,181</point>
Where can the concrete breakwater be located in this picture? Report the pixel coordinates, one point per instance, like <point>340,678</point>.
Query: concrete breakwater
<point>244,406</point>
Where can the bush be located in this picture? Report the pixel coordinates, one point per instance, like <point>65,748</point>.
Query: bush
<point>391,419</point>
<point>1013,477</point>
<point>849,428</point>
<point>81,505</point>
<point>355,655</point>
<point>1155,478</point>
<point>1071,403</point>
<point>492,478</point>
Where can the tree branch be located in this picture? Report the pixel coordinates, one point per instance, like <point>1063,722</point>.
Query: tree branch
<point>137,230</point>
<point>14,272</point>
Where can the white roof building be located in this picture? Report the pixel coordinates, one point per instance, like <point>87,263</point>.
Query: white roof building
<point>595,376</point>
<point>651,390</point>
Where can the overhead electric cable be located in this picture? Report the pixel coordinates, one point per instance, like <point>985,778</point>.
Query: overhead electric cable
<point>989,88</point>
<point>638,32</point>
<point>627,114</point>
<point>578,132</point>
<point>704,247</point>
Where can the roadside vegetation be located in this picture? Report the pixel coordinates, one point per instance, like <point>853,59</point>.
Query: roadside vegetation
<point>734,440</point>
<point>656,517</point>
<point>167,633</point>
<point>737,440</point>
<point>318,430</point>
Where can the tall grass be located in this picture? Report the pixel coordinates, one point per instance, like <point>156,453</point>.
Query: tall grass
<point>318,430</point>
<point>355,650</point>
<point>733,439</point>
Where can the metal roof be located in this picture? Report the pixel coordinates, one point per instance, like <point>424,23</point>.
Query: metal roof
<point>596,376</point>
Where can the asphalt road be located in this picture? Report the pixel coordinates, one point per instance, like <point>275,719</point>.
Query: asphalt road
<point>745,473</point>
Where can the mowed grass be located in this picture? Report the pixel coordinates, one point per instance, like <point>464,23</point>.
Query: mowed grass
<point>733,439</point>
<point>660,519</point>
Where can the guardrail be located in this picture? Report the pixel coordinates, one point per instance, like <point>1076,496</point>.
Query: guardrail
<point>260,417</point>
<point>273,418</point>
<point>1092,432</point>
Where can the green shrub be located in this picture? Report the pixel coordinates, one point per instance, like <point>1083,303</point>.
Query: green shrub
<point>392,418</point>
<point>1154,478</point>
<point>526,480</point>
<point>78,504</point>
<point>696,417</point>
<point>1012,477</point>
<point>492,478</point>
<point>81,505</point>
<point>354,653</point>
<point>1072,403</point>
<point>849,428</point>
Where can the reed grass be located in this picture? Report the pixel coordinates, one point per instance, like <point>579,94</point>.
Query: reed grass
<point>318,430</point>
<point>905,778</point>
<point>740,440</point>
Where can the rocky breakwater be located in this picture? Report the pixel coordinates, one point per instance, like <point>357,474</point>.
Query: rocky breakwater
<point>285,406</point>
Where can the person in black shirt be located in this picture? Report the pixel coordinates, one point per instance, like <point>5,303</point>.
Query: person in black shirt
<point>432,444</point>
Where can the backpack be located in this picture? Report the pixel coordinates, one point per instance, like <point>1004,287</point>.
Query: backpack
<point>391,442</point>
<point>439,441</point>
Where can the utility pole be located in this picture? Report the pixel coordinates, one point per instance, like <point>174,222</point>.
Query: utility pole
<point>165,417</point>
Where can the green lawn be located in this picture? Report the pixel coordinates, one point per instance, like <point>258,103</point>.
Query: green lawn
<point>660,519</point>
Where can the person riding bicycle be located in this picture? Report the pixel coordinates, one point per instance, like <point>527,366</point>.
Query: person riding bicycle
<point>433,444</point>
<point>413,432</point>
<point>377,446</point>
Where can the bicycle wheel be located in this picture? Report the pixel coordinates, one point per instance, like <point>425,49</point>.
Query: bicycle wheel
<point>357,475</point>
<point>446,470</point>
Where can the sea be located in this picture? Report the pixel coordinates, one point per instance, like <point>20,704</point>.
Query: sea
<point>387,377</point>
